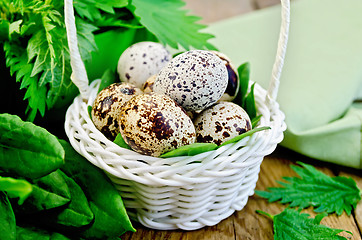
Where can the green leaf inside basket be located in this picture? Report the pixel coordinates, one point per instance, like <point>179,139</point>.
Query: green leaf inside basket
<point>244,77</point>
<point>107,79</point>
<point>196,148</point>
<point>120,142</point>
<point>249,105</point>
<point>190,150</point>
<point>255,120</point>
<point>89,108</point>
<point>246,134</point>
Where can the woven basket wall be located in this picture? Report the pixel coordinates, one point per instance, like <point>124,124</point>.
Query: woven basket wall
<point>180,192</point>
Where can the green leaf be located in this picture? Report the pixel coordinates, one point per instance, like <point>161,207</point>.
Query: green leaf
<point>16,188</point>
<point>27,150</point>
<point>314,188</point>
<point>293,225</point>
<point>7,219</point>
<point>86,41</point>
<point>107,79</point>
<point>244,77</point>
<point>32,233</point>
<point>107,49</point>
<point>243,135</point>
<point>249,104</point>
<point>17,61</point>
<point>171,24</point>
<point>110,216</point>
<point>190,150</point>
<point>197,148</point>
<point>70,216</point>
<point>50,191</point>
<point>89,109</point>
<point>120,142</point>
<point>38,51</point>
<point>108,5</point>
<point>255,120</point>
<point>78,212</point>
<point>117,20</point>
<point>15,27</point>
<point>4,30</point>
<point>91,9</point>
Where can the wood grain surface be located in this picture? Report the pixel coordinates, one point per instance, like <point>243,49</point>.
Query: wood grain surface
<point>247,224</point>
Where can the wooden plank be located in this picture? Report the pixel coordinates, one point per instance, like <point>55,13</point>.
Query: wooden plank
<point>215,10</point>
<point>355,175</point>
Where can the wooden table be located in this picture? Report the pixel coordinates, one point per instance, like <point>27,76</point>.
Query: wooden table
<point>247,224</point>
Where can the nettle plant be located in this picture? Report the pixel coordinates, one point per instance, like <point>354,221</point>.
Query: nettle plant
<point>33,40</point>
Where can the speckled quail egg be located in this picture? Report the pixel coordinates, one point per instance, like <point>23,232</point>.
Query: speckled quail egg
<point>107,105</point>
<point>221,122</point>
<point>153,124</point>
<point>195,79</point>
<point>233,78</point>
<point>142,60</point>
<point>148,86</point>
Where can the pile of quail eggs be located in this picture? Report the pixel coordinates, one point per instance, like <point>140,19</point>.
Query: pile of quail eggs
<point>162,103</point>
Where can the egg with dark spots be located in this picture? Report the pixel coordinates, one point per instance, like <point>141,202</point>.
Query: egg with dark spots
<point>221,122</point>
<point>195,79</point>
<point>233,78</point>
<point>153,124</point>
<point>142,60</point>
<point>107,106</point>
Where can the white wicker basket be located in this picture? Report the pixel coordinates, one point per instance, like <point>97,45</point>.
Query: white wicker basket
<point>180,192</point>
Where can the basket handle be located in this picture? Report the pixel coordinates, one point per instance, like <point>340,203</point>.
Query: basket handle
<point>80,78</point>
<point>79,75</point>
<point>272,92</point>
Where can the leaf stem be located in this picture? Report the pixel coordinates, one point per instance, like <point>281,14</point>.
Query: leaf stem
<point>265,214</point>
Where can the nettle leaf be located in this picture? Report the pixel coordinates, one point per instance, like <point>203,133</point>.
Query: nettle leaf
<point>294,225</point>
<point>49,61</point>
<point>314,188</point>
<point>117,20</point>
<point>39,54</point>
<point>17,61</point>
<point>171,24</point>
<point>4,30</point>
<point>86,41</point>
<point>91,9</point>
<point>108,5</point>
<point>14,27</point>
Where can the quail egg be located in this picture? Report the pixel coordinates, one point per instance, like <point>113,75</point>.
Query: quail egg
<point>233,78</point>
<point>195,79</point>
<point>142,60</point>
<point>153,124</point>
<point>107,105</point>
<point>221,122</point>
